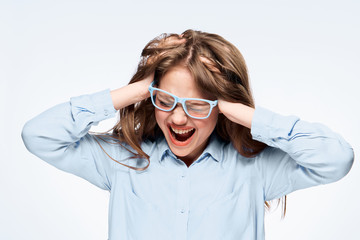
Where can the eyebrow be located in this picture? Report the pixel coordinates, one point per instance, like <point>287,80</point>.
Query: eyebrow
<point>164,95</point>
<point>208,99</point>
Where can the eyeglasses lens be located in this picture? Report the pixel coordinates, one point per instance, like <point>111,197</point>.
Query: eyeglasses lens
<point>163,100</point>
<point>195,108</point>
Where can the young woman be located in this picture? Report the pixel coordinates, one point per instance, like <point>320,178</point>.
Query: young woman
<point>191,157</point>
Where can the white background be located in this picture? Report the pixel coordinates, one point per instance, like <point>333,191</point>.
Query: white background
<point>303,59</point>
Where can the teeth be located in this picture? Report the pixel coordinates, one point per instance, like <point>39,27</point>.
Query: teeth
<point>181,131</point>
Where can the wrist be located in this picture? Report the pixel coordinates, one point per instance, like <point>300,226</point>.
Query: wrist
<point>142,90</point>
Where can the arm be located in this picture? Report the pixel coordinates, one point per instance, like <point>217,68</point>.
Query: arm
<point>131,93</point>
<point>237,112</point>
<point>60,135</point>
<point>301,154</point>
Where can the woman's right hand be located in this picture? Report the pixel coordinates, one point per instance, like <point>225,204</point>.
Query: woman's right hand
<point>138,91</point>
<point>166,43</point>
<point>143,86</point>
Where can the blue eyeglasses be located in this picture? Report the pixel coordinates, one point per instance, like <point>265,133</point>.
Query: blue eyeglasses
<point>194,107</point>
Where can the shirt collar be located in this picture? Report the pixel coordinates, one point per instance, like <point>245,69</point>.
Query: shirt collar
<point>214,148</point>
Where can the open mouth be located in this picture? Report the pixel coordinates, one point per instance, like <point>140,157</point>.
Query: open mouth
<point>181,135</point>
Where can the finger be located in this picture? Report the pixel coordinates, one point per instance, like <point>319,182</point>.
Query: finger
<point>166,43</point>
<point>172,41</point>
<point>209,64</point>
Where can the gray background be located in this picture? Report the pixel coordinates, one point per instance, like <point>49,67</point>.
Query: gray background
<point>303,59</point>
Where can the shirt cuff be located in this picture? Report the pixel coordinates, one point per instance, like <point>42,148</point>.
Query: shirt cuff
<point>99,104</point>
<point>268,126</point>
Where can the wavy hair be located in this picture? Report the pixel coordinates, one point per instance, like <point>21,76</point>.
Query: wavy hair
<point>218,69</point>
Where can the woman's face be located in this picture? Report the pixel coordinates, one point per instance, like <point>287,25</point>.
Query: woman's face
<point>187,137</point>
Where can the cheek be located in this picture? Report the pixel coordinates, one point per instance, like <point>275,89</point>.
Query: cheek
<point>208,126</point>
<point>160,117</point>
<point>213,119</point>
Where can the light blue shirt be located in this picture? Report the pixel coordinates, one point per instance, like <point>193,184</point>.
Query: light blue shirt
<point>220,196</point>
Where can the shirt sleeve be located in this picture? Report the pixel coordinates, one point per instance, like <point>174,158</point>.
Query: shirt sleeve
<point>300,154</point>
<point>60,137</point>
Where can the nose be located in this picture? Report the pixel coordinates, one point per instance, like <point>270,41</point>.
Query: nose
<point>179,116</point>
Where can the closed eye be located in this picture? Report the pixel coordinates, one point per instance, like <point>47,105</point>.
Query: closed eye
<point>165,104</point>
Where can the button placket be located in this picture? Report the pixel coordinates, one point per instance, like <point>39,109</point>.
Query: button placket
<point>182,203</point>
<point>183,187</point>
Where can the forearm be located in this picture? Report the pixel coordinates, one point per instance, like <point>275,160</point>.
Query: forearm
<point>66,123</point>
<point>313,146</point>
<point>237,112</point>
<point>129,94</point>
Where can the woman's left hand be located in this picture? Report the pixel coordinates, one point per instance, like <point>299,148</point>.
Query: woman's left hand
<point>236,112</point>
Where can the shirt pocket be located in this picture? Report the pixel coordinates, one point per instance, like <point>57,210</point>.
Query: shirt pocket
<point>146,220</point>
<point>224,218</point>
<point>138,202</point>
<point>225,200</point>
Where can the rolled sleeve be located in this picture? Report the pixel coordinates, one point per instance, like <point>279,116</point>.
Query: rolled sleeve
<point>99,104</point>
<point>266,126</point>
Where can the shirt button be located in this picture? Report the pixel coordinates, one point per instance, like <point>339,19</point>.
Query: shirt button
<point>106,112</point>
<point>182,210</point>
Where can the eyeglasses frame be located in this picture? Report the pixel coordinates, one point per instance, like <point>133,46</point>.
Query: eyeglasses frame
<point>180,100</point>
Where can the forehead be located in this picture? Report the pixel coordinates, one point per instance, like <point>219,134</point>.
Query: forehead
<point>179,81</point>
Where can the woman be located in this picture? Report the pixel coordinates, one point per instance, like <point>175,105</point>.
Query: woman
<point>191,157</point>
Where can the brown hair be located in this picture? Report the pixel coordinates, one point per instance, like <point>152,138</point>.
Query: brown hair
<point>218,68</point>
